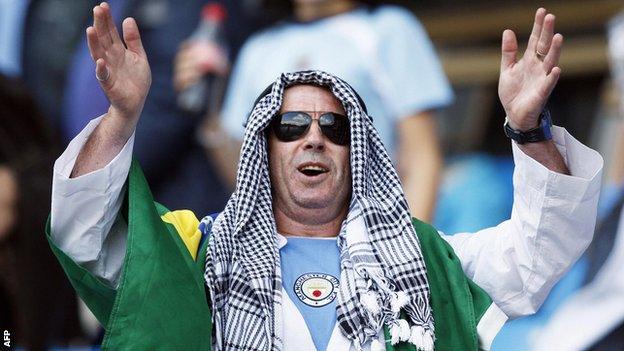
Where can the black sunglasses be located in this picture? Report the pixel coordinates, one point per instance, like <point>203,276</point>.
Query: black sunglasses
<point>293,125</point>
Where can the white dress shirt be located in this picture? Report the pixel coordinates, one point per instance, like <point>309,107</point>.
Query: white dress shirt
<point>516,262</point>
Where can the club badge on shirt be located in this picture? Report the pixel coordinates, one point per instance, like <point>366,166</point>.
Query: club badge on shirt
<point>316,289</point>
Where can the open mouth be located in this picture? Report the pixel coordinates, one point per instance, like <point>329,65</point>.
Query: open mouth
<point>312,170</point>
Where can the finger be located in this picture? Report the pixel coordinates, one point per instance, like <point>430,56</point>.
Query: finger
<point>105,25</point>
<point>537,29</point>
<point>99,23</point>
<point>509,49</point>
<point>132,37</point>
<point>110,24</point>
<point>182,80</point>
<point>187,64</point>
<point>95,49</point>
<point>551,81</point>
<point>543,44</point>
<point>185,53</point>
<point>554,53</point>
<point>102,73</point>
<point>219,65</point>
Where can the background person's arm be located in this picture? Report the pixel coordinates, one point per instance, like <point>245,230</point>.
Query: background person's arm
<point>419,162</point>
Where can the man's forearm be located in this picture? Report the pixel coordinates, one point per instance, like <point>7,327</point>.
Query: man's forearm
<point>103,144</point>
<point>546,153</point>
<point>84,221</point>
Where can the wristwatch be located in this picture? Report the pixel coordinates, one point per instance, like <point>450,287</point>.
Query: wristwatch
<point>537,134</point>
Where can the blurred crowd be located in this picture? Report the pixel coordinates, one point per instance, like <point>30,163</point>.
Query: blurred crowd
<point>209,61</point>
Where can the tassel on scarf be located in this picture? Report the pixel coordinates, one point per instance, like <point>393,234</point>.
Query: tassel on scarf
<point>421,338</point>
<point>377,345</point>
<point>416,337</point>
<point>404,330</point>
<point>427,341</point>
<point>398,301</point>
<point>399,331</point>
<point>370,302</point>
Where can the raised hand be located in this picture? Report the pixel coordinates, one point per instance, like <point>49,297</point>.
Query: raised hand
<point>525,84</point>
<point>122,70</point>
<point>124,75</point>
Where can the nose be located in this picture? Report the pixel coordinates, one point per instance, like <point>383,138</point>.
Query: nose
<point>314,139</point>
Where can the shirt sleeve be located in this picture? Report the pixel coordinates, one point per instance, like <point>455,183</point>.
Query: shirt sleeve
<point>552,223</point>
<point>84,221</point>
<point>411,74</point>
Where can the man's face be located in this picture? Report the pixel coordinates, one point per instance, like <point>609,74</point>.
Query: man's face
<point>311,172</point>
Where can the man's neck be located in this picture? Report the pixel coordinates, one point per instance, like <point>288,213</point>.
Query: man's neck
<point>300,223</point>
<point>310,11</point>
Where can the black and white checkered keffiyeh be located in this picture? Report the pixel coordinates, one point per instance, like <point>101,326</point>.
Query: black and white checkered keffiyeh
<point>382,269</point>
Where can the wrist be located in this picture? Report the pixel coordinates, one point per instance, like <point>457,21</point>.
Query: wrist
<point>120,126</point>
<point>511,121</point>
<point>539,133</point>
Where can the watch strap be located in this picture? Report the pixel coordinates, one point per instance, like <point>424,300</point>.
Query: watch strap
<point>540,133</point>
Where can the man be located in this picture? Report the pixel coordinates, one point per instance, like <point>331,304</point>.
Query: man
<point>312,166</point>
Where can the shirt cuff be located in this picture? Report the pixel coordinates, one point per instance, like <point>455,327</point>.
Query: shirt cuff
<point>585,167</point>
<point>98,181</point>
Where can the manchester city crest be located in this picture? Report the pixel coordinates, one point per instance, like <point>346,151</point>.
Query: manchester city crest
<point>316,289</point>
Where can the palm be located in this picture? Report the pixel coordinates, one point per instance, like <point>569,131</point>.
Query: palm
<point>124,73</point>
<point>524,85</point>
<point>130,80</point>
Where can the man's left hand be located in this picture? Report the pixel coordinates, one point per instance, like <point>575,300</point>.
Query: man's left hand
<point>525,84</point>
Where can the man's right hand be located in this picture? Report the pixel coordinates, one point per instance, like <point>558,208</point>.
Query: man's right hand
<point>125,78</point>
<point>122,70</point>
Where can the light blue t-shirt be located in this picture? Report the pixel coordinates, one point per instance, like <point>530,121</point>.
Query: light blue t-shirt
<point>385,54</point>
<point>310,276</point>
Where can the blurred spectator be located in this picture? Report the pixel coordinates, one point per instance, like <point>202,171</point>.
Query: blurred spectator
<point>178,163</point>
<point>12,15</point>
<point>50,32</point>
<point>477,178</point>
<point>383,51</point>
<point>43,304</point>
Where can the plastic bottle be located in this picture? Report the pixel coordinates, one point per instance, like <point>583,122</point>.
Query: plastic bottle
<point>195,98</point>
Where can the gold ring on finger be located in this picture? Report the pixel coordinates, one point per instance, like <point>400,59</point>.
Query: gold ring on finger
<point>539,55</point>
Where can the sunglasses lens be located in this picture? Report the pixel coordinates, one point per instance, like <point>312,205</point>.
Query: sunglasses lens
<point>336,127</point>
<point>291,125</point>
